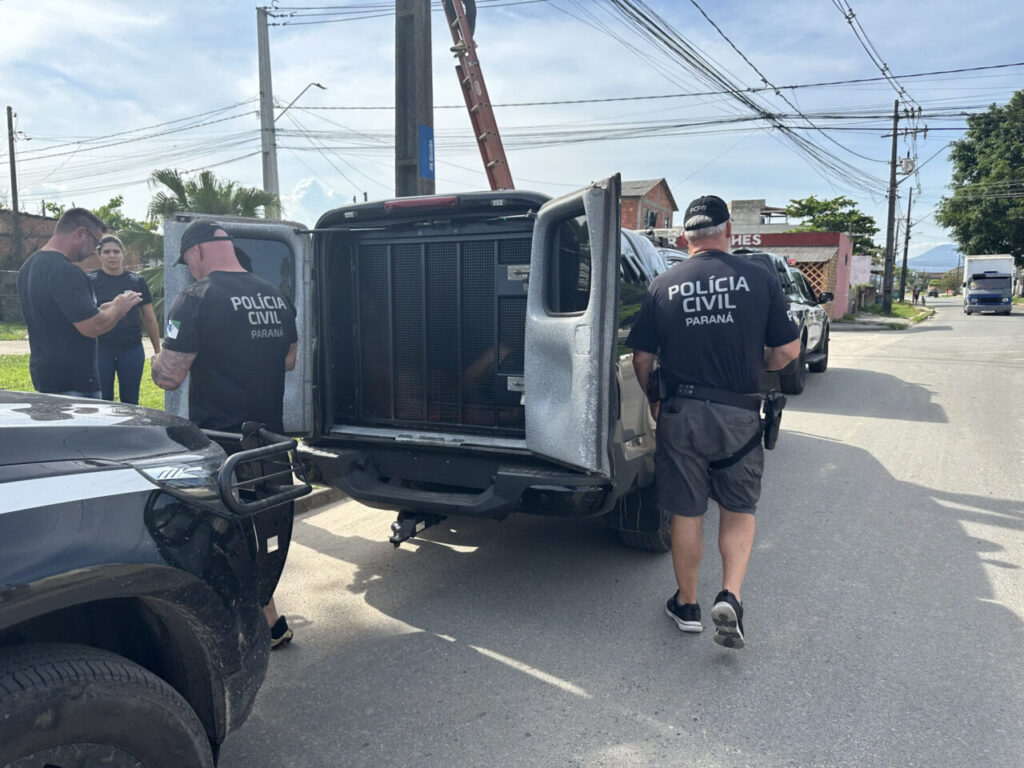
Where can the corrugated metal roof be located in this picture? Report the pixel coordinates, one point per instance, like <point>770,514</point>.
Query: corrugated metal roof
<point>805,254</point>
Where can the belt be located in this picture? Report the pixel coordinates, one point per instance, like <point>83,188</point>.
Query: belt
<point>713,395</point>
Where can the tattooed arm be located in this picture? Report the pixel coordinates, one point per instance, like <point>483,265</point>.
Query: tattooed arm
<point>170,368</point>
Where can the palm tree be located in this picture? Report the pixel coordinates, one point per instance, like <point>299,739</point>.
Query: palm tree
<point>205,193</point>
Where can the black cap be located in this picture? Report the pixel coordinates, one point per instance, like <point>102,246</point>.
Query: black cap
<point>199,231</point>
<point>706,211</point>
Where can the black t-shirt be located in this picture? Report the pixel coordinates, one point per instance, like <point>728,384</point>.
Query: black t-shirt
<point>54,295</point>
<point>239,327</point>
<point>126,334</point>
<point>711,317</point>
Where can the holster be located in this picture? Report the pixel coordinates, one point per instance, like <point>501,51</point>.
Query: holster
<point>773,405</point>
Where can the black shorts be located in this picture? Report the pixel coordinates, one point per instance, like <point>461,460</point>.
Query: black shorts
<point>693,433</point>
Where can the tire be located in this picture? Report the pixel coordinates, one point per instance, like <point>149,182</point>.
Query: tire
<point>822,365</point>
<point>72,706</point>
<point>794,383</point>
<point>639,522</point>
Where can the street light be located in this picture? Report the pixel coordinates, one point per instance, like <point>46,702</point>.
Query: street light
<point>321,87</point>
<point>270,182</point>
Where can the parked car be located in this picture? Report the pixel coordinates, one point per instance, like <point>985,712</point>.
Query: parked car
<point>673,255</point>
<point>805,309</point>
<point>132,571</point>
<point>933,292</point>
<point>459,355</point>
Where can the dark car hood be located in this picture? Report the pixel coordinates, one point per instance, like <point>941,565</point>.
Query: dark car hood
<point>37,428</point>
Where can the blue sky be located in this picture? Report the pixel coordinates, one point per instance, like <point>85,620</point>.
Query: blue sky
<point>76,71</point>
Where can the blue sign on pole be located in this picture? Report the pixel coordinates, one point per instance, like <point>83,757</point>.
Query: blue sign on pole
<point>426,152</point>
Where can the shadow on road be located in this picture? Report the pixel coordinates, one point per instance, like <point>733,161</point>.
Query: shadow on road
<point>877,638</point>
<point>868,394</point>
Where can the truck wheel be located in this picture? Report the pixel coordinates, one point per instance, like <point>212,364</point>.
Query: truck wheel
<point>640,523</point>
<point>72,706</point>
<point>793,383</point>
<point>822,365</point>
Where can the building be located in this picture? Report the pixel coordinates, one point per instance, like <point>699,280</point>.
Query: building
<point>753,216</point>
<point>647,204</point>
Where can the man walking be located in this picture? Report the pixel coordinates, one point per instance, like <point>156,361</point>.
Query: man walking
<point>716,320</point>
<point>235,334</point>
<point>60,309</point>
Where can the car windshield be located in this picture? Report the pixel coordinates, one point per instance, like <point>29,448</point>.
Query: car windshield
<point>989,283</point>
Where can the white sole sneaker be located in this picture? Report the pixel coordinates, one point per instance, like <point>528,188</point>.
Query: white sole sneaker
<point>684,626</point>
<point>727,627</point>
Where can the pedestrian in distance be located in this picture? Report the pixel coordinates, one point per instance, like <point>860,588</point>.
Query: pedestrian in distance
<point>119,351</point>
<point>60,310</point>
<point>233,334</point>
<point>716,320</point>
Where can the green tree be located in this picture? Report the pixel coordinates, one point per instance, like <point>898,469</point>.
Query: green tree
<point>986,210</point>
<point>204,193</point>
<point>140,236</point>
<point>839,214</point>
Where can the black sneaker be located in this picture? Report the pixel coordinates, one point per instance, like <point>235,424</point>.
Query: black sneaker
<point>728,617</point>
<point>280,634</point>
<point>686,617</point>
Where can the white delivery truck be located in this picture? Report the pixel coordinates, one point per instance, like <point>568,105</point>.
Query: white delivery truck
<point>988,283</point>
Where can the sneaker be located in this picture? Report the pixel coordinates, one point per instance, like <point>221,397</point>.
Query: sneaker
<point>686,617</point>
<point>728,617</point>
<point>280,634</point>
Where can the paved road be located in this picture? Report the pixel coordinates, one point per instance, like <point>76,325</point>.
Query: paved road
<point>884,603</point>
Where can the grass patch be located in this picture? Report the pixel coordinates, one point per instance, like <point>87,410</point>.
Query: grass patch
<point>13,331</point>
<point>912,312</point>
<point>14,375</point>
<point>1018,299</point>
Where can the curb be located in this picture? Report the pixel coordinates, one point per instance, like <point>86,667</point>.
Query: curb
<point>843,327</point>
<point>322,496</point>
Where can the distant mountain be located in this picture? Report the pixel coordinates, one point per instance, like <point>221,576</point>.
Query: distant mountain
<point>941,258</point>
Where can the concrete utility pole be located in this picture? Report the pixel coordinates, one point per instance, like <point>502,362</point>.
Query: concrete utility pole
<point>15,223</point>
<point>906,246</point>
<point>890,230</point>
<point>267,135</point>
<point>414,100</point>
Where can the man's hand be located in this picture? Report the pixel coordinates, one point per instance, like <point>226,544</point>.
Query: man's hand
<point>123,302</point>
<point>655,409</point>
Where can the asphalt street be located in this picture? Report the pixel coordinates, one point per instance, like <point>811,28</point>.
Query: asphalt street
<point>885,613</point>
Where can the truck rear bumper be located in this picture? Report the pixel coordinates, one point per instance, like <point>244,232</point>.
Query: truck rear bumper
<point>510,486</point>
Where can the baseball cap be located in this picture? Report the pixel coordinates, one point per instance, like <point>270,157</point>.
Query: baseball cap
<point>706,211</point>
<point>199,231</point>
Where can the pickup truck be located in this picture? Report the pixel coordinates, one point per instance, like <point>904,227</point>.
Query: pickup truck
<point>134,558</point>
<point>458,355</point>
<point>805,309</point>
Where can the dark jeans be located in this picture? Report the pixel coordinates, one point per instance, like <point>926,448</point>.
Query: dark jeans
<point>127,364</point>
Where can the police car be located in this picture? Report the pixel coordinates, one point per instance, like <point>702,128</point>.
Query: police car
<point>133,564</point>
<point>806,311</point>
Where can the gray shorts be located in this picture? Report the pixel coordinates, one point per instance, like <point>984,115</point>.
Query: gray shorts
<point>693,433</point>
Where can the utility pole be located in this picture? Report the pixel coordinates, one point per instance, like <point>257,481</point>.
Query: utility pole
<point>15,223</point>
<point>414,100</point>
<point>891,226</point>
<point>267,134</point>
<point>906,246</point>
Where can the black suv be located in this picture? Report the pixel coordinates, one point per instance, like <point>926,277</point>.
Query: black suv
<point>459,354</point>
<point>805,309</point>
<point>133,564</point>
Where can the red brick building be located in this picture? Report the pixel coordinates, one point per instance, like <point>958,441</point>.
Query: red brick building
<point>647,204</point>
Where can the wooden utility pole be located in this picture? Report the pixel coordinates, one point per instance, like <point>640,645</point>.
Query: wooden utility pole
<point>414,100</point>
<point>15,223</point>
<point>906,246</point>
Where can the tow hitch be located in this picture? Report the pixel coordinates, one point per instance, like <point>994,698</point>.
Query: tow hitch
<point>410,524</point>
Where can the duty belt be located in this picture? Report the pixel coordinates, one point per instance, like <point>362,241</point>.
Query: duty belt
<point>713,395</point>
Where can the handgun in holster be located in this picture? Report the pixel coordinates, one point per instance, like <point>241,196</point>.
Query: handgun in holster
<point>773,405</point>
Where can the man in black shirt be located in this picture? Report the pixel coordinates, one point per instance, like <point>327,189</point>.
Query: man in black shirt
<point>60,309</point>
<point>716,320</point>
<point>235,334</point>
